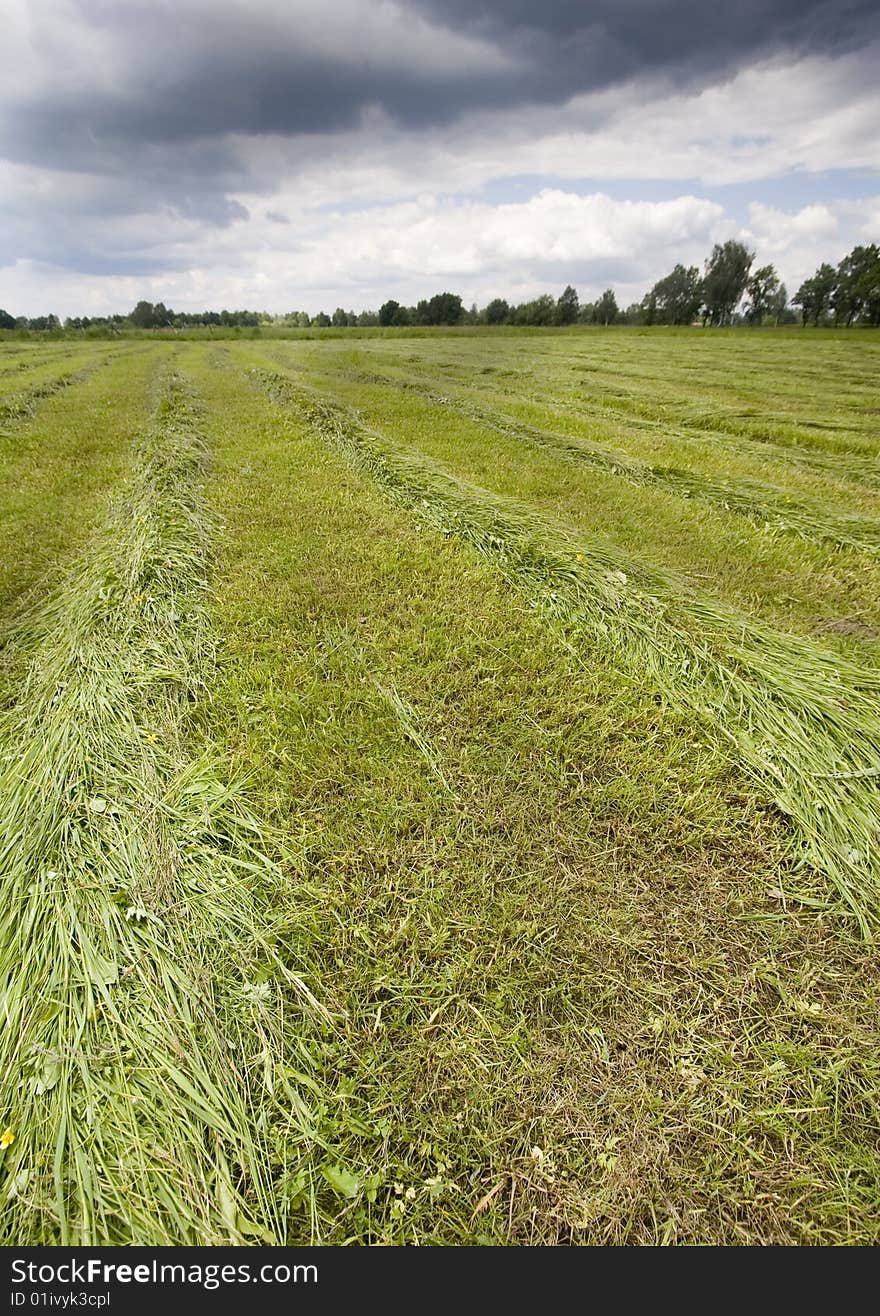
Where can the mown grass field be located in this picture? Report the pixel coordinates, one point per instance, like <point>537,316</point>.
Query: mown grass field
<point>439,789</point>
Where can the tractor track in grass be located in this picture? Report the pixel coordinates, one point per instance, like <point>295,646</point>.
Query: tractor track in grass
<point>144,993</point>
<point>803,721</point>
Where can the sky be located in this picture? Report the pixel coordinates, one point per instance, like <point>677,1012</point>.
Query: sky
<point>306,154</point>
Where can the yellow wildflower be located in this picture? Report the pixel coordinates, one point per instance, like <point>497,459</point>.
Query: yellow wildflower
<point>7,1138</point>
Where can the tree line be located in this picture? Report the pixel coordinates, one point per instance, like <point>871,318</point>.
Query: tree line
<point>146,315</point>
<point>730,290</point>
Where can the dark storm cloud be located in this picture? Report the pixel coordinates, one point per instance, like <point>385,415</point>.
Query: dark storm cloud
<point>612,39</point>
<point>168,75</point>
<point>572,46</point>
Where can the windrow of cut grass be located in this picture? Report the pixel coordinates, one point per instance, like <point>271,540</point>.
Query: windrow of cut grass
<point>22,405</point>
<point>534,391</point>
<point>844,465</point>
<point>15,369</point>
<point>758,414</point>
<point>787,582</point>
<point>147,1013</point>
<point>804,722</point>
<point>732,364</point>
<point>55,481</point>
<point>546,905</point>
<point>771,509</point>
<point>757,392</point>
<point>791,372</point>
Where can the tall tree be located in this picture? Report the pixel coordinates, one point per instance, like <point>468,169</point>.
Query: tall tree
<point>869,282</point>
<point>144,315</point>
<point>778,304</point>
<point>725,279</point>
<point>846,303</point>
<point>676,299</point>
<point>606,311</point>
<point>6,320</point>
<point>566,311</point>
<point>498,311</point>
<point>857,291</point>
<point>388,310</point>
<point>444,308</point>
<point>815,294</point>
<point>762,289</point>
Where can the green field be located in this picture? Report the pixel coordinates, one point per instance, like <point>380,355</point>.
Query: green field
<point>439,788</point>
